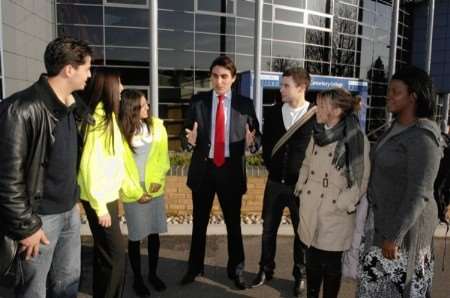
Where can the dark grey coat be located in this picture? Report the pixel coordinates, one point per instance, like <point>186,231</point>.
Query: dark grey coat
<point>400,188</point>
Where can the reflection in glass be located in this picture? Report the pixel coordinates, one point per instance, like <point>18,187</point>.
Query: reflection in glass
<point>323,6</point>
<point>79,14</point>
<point>292,3</point>
<point>134,76</point>
<point>286,15</point>
<point>341,41</point>
<point>245,9</point>
<point>280,64</point>
<point>97,55</point>
<point>185,5</point>
<point>318,37</point>
<point>202,79</point>
<point>287,49</point>
<point>244,63</point>
<point>218,6</point>
<point>176,40</point>
<point>319,21</point>
<point>127,37</point>
<point>176,78</point>
<point>93,35</point>
<point>176,59</point>
<point>175,20</point>
<point>317,53</point>
<point>127,56</point>
<point>129,17</point>
<point>317,68</point>
<point>128,2</point>
<point>285,32</point>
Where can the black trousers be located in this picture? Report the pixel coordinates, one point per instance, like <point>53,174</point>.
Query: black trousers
<point>277,196</point>
<point>109,254</point>
<point>217,181</point>
<point>323,266</point>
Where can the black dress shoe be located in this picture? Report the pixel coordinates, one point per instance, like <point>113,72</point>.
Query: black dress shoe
<point>261,278</point>
<point>157,283</point>
<point>140,289</point>
<point>299,287</point>
<point>239,280</point>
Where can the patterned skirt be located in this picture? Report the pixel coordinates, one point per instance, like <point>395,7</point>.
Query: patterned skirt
<point>382,278</point>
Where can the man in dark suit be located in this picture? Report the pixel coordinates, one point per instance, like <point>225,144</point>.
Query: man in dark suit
<point>283,167</point>
<point>220,125</point>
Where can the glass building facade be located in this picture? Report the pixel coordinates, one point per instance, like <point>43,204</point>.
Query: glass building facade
<point>345,38</point>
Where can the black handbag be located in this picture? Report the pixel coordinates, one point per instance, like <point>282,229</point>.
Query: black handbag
<point>11,271</point>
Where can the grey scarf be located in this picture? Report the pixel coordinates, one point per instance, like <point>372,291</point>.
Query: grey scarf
<point>349,152</point>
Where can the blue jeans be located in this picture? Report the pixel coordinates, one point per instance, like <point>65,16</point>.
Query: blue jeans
<point>55,272</point>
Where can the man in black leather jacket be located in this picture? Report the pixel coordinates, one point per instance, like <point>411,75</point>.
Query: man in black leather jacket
<point>38,168</point>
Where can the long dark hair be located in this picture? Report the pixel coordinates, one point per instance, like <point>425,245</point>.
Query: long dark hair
<point>418,82</point>
<point>104,87</point>
<point>129,115</point>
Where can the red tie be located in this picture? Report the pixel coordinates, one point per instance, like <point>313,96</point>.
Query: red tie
<point>219,137</point>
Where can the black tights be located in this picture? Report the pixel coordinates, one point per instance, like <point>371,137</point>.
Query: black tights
<point>323,266</point>
<point>134,254</point>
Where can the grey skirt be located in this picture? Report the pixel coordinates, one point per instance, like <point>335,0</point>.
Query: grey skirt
<point>145,219</point>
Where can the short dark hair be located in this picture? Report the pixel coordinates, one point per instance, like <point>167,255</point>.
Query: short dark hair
<point>420,83</point>
<point>225,62</point>
<point>299,75</point>
<point>63,51</point>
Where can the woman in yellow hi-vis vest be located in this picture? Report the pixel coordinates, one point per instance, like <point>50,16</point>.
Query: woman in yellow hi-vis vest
<point>146,163</point>
<point>102,172</point>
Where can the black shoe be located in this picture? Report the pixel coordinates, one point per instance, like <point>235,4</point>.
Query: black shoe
<point>189,277</point>
<point>261,278</point>
<point>239,280</point>
<point>156,282</point>
<point>140,289</point>
<point>299,287</point>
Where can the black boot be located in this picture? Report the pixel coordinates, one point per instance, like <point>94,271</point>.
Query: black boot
<point>153,257</point>
<point>261,278</point>
<point>135,260</point>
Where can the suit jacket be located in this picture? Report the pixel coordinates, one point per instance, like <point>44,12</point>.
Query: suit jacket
<point>242,113</point>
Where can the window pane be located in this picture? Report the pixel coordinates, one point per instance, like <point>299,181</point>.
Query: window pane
<point>317,68</point>
<point>79,14</point>
<point>292,3</point>
<point>81,1</point>
<point>176,40</point>
<point>175,20</point>
<point>130,2</point>
<point>317,53</point>
<point>219,6</point>
<point>244,45</point>
<point>176,59</point>
<point>185,5</point>
<point>318,37</point>
<point>135,76</point>
<point>214,24</point>
<point>319,5</point>
<point>132,17</point>
<point>288,50</point>
<point>290,33</point>
<point>281,64</point>
<point>176,78</point>
<point>244,63</point>
<point>245,9</point>
<point>127,37</point>
<point>245,27</point>
<point>93,35</point>
<point>288,15</point>
<point>127,56</point>
<point>207,42</point>
<point>98,55</point>
<point>319,21</point>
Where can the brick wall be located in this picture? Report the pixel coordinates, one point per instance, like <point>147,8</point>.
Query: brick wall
<point>179,199</point>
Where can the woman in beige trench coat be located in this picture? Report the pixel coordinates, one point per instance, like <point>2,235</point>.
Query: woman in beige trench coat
<point>332,179</point>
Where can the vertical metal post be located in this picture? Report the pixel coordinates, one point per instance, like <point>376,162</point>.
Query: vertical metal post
<point>1,54</point>
<point>257,92</point>
<point>154,57</point>
<point>445,110</point>
<point>429,46</point>
<point>393,45</point>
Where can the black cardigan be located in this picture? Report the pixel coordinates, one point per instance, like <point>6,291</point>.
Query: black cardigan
<point>285,164</point>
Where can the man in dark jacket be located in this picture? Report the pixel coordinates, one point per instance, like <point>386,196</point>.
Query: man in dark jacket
<point>38,168</point>
<point>220,126</point>
<point>283,167</point>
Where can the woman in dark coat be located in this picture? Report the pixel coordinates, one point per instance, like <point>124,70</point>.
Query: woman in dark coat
<point>397,261</point>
